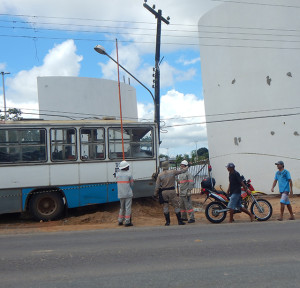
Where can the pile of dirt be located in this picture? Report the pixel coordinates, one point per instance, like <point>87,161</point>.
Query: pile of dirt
<point>145,212</point>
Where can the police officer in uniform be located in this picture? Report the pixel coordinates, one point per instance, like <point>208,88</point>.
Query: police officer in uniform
<point>186,183</point>
<point>165,184</point>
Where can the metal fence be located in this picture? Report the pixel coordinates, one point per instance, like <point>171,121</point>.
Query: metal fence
<point>199,172</point>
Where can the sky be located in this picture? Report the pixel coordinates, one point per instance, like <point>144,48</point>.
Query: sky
<point>56,38</point>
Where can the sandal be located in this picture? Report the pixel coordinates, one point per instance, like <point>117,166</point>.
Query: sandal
<point>279,219</point>
<point>292,218</point>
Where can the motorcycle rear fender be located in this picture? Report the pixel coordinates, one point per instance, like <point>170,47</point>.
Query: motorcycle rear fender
<point>258,192</point>
<point>218,197</point>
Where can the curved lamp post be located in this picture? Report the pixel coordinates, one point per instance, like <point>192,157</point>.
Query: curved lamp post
<point>100,49</point>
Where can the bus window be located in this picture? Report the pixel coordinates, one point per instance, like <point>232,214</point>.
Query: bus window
<point>63,144</point>
<point>23,145</point>
<point>92,144</point>
<point>138,142</point>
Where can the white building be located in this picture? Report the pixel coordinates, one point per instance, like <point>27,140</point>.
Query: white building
<point>62,98</point>
<point>250,59</point>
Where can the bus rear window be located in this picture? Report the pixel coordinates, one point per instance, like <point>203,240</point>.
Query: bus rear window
<point>22,145</point>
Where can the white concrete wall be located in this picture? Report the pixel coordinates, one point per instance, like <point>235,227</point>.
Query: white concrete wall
<point>234,73</point>
<point>80,98</point>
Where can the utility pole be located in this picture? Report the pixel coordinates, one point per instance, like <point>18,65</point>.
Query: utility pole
<point>4,100</point>
<point>158,16</point>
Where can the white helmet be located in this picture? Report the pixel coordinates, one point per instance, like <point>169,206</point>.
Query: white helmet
<point>123,165</point>
<point>184,162</point>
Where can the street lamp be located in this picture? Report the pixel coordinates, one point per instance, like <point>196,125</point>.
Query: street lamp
<point>4,100</point>
<point>102,51</point>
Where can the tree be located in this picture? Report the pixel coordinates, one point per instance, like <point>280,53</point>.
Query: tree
<point>12,114</point>
<point>164,156</point>
<point>203,153</point>
<point>181,157</point>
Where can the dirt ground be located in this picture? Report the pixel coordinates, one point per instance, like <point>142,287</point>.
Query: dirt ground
<point>145,212</point>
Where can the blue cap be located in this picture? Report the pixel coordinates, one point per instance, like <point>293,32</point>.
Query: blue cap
<point>230,165</point>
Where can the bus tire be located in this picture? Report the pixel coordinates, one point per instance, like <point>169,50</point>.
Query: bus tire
<point>46,206</point>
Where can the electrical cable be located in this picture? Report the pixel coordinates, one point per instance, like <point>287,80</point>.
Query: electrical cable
<point>232,120</point>
<point>36,30</point>
<point>74,18</point>
<point>150,42</point>
<point>232,113</point>
<point>74,114</point>
<point>255,3</point>
<point>154,29</point>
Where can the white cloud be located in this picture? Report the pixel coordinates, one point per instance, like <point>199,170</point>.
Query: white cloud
<point>186,62</point>
<point>179,109</point>
<point>130,59</point>
<point>170,75</point>
<point>146,112</point>
<point>2,67</point>
<point>61,60</point>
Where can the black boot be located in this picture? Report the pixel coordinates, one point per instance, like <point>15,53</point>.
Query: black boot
<point>130,223</point>
<point>179,219</point>
<point>167,216</point>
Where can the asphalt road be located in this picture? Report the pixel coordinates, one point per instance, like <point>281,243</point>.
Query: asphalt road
<point>225,255</point>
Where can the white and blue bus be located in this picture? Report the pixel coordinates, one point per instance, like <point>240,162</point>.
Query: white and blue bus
<point>49,166</point>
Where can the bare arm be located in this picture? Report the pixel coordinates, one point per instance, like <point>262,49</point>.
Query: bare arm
<point>274,184</point>
<point>228,190</point>
<point>291,187</point>
<point>245,188</point>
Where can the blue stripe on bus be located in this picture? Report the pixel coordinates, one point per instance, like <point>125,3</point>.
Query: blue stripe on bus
<point>82,195</point>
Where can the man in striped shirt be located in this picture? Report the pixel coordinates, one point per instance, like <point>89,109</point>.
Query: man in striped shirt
<point>125,183</point>
<point>186,184</point>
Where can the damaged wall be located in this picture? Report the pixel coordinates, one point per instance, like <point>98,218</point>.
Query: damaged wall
<point>250,60</point>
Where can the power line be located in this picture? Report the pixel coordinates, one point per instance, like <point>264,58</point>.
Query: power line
<point>150,29</point>
<point>78,25</point>
<point>233,113</point>
<point>71,114</point>
<point>74,18</point>
<point>148,42</point>
<point>232,120</point>
<point>36,30</point>
<point>255,3</point>
<point>75,114</point>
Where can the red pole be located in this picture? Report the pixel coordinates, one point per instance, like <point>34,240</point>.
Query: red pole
<point>120,102</point>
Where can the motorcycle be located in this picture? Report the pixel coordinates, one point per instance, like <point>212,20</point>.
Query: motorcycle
<point>216,211</point>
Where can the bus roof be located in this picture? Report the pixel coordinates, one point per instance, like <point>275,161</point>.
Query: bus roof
<point>88,122</point>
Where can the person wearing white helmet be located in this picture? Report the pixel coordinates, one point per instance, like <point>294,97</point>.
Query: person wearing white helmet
<point>165,187</point>
<point>186,184</point>
<point>125,194</point>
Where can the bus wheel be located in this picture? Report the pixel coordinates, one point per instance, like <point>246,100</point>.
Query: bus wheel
<point>46,206</point>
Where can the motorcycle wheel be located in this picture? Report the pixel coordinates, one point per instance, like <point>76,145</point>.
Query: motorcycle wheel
<point>212,214</point>
<point>262,210</point>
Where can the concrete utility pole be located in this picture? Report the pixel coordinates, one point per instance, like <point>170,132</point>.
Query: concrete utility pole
<point>158,16</point>
<point>4,100</point>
